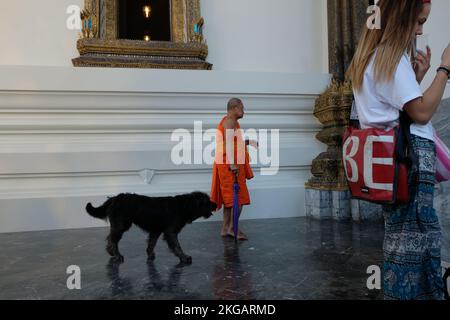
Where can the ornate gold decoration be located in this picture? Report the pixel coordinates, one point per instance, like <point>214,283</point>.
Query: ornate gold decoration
<point>90,19</point>
<point>345,21</point>
<point>123,53</point>
<point>333,111</point>
<point>186,50</point>
<point>197,36</point>
<point>110,19</point>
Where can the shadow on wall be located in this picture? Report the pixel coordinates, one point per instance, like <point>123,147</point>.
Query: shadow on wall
<point>441,122</point>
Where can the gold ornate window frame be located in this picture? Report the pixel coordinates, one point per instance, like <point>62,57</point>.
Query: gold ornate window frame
<point>99,45</point>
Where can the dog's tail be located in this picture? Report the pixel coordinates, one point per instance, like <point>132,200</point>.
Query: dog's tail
<point>100,212</point>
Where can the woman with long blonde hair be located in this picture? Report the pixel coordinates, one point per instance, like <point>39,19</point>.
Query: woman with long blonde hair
<point>386,72</point>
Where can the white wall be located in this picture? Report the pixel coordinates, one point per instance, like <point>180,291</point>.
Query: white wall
<point>438,29</point>
<point>35,33</point>
<point>265,35</point>
<point>244,35</point>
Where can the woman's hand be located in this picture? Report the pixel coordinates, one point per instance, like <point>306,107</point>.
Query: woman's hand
<point>421,110</point>
<point>422,64</point>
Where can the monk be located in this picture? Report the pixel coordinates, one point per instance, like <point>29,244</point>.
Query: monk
<point>231,162</point>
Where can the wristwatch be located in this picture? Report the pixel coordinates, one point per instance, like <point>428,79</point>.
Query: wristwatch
<point>444,69</point>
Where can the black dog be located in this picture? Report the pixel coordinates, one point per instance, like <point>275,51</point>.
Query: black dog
<point>155,215</point>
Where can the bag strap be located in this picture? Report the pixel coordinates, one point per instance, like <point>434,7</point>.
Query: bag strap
<point>405,152</point>
<point>409,154</point>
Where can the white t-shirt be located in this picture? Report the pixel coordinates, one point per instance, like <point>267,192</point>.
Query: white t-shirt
<point>378,104</point>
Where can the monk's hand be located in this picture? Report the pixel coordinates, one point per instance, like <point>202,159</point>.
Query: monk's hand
<point>422,64</point>
<point>234,168</point>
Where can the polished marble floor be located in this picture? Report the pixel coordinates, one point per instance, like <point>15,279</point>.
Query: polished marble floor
<point>295,258</point>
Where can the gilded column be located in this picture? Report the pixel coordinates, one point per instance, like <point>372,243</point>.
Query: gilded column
<point>327,194</point>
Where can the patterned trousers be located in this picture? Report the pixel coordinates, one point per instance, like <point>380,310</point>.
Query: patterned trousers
<point>412,242</point>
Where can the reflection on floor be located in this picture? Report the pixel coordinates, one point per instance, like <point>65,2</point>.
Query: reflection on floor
<point>293,258</point>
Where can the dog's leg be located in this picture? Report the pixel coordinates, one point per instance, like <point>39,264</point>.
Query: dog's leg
<point>113,245</point>
<point>152,239</point>
<point>174,245</point>
<point>118,228</point>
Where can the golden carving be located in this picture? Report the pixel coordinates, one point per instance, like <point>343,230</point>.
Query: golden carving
<point>179,23</point>
<point>141,54</point>
<point>198,31</point>
<point>193,16</point>
<point>187,49</point>
<point>90,19</point>
<point>333,111</point>
<point>345,21</point>
<point>110,20</point>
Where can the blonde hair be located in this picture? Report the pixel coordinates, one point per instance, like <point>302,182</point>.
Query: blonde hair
<point>398,20</point>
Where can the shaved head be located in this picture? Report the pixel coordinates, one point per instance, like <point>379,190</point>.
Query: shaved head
<point>233,103</point>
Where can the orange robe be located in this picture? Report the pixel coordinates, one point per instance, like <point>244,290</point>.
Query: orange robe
<point>223,178</point>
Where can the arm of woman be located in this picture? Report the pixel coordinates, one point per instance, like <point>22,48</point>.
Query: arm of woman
<point>421,110</point>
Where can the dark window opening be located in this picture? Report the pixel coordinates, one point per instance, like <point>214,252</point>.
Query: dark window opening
<point>134,25</point>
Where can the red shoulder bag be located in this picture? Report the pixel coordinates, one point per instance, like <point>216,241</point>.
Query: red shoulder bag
<point>377,163</point>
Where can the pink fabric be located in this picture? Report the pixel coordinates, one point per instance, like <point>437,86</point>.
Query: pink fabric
<point>442,160</point>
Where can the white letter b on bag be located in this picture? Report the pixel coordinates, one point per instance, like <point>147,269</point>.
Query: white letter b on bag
<point>348,158</point>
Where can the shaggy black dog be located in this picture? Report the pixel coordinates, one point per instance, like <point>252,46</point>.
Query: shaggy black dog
<point>155,215</point>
